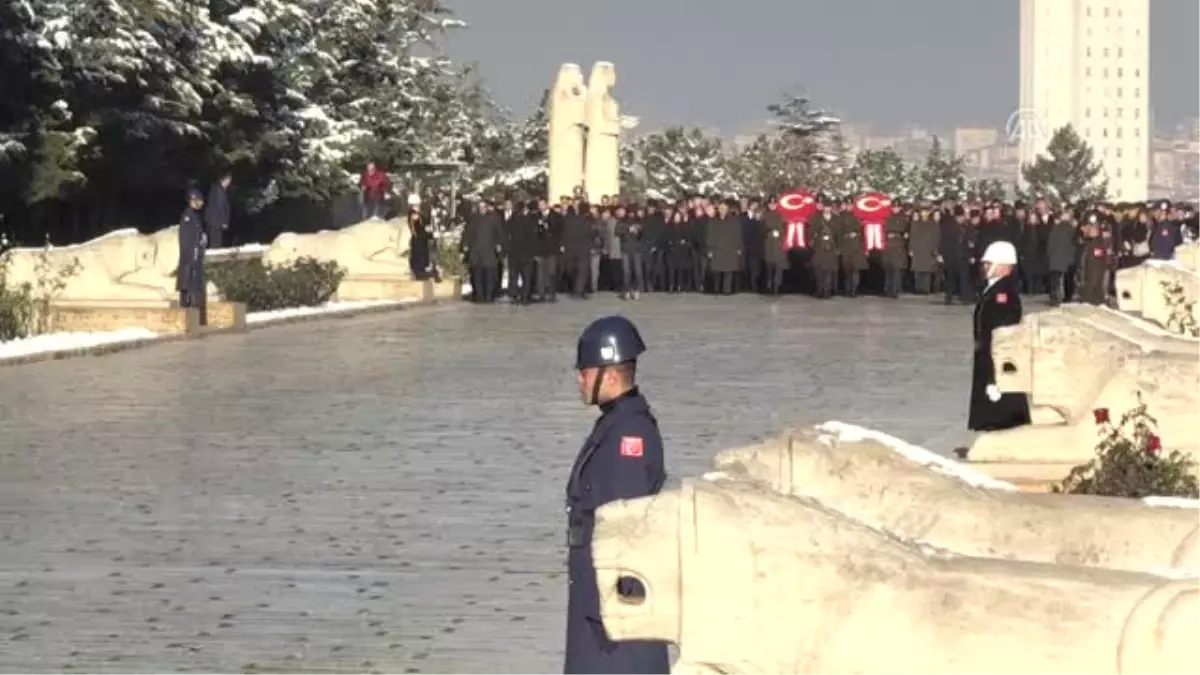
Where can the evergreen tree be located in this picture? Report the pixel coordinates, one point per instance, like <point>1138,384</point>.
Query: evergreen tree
<point>884,171</point>
<point>803,133</point>
<point>1068,171</point>
<point>681,161</point>
<point>941,174</point>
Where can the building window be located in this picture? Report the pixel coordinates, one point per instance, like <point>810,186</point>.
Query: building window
<point>1137,72</point>
<point>1120,52</point>
<point>1118,152</point>
<point>1106,112</point>
<point>1119,111</point>
<point>1104,133</point>
<point>1089,52</point>
<point>1137,173</point>
<point>1106,12</point>
<point>1120,92</point>
<point>1118,132</point>
<point>1087,72</point>
<point>1106,52</point>
<point>1120,72</point>
<point>1118,173</point>
<point>1087,112</point>
<point>1106,72</point>
<point>1137,133</point>
<point>1137,92</point>
<point>1137,113</point>
<point>1089,11</point>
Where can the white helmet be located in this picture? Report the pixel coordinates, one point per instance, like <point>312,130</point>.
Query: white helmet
<point>1001,253</point>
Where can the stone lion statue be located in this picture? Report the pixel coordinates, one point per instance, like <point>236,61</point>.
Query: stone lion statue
<point>746,580</point>
<point>121,267</point>
<point>1141,289</point>
<point>1076,359</point>
<point>373,247</point>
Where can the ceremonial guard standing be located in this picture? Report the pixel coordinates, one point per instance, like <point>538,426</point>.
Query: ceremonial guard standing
<point>621,459</point>
<point>724,244</point>
<point>823,235</point>
<point>1096,255</point>
<point>895,253</point>
<point>752,246</point>
<point>999,305</point>
<point>853,249</point>
<point>189,279</point>
<point>774,255</point>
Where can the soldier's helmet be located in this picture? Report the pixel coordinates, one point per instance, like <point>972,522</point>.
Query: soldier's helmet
<point>1001,253</point>
<point>608,341</point>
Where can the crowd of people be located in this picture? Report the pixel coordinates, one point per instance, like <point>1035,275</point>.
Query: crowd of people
<point>724,246</point>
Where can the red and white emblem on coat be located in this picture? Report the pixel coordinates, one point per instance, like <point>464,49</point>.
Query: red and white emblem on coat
<point>1002,298</point>
<point>631,446</point>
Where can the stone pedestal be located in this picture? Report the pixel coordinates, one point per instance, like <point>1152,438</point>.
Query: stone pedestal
<point>947,505</point>
<point>227,315</point>
<point>382,287</point>
<point>163,319</point>
<point>746,580</point>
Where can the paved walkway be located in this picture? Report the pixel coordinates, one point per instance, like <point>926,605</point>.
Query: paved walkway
<point>384,493</point>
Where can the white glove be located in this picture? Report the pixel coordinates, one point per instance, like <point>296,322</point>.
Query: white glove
<point>993,393</point>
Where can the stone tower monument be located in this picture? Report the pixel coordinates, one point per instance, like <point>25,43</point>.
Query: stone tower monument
<point>602,167</point>
<point>568,129</point>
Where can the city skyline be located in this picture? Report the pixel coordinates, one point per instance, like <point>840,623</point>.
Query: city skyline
<point>970,78</point>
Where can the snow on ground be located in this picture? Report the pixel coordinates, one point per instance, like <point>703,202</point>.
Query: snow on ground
<point>851,433</point>
<point>260,318</point>
<point>61,342</point>
<point>1172,502</point>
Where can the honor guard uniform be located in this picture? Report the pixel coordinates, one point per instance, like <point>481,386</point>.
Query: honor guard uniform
<point>998,305</point>
<point>621,459</point>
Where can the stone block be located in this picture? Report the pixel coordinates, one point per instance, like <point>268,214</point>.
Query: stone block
<point>163,319</point>
<point>230,315</point>
<point>921,496</point>
<point>602,165</point>
<point>746,580</point>
<point>382,287</point>
<point>372,248</point>
<point>1142,290</point>
<point>1076,359</point>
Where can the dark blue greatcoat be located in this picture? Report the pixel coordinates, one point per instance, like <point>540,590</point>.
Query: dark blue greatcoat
<point>189,280</point>
<point>621,459</point>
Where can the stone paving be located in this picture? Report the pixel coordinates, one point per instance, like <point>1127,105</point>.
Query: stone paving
<point>385,493</point>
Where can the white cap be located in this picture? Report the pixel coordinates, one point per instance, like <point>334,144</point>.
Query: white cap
<point>414,199</point>
<point>1001,253</point>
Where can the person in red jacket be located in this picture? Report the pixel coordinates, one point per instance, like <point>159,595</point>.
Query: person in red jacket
<point>375,186</point>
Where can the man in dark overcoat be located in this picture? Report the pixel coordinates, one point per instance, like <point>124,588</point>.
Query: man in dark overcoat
<point>482,240</point>
<point>999,305</point>
<point>724,244</point>
<point>923,237</point>
<point>189,276</point>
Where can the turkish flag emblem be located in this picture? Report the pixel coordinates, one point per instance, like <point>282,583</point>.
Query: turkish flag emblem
<point>873,208</point>
<point>631,446</point>
<point>797,206</point>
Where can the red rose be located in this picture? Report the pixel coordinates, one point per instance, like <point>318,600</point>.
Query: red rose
<point>1100,415</point>
<point>1153,444</point>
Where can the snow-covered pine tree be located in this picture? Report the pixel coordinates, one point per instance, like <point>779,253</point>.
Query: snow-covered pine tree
<point>530,152</point>
<point>680,161</point>
<point>1068,171</point>
<point>884,171</point>
<point>803,133</point>
<point>941,174</point>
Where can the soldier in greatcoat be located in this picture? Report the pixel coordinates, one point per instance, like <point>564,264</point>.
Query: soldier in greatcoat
<point>852,248</point>
<point>724,244</point>
<point>999,305</point>
<point>774,256</point>
<point>189,279</point>
<point>823,240</point>
<point>1062,249</point>
<point>894,257</point>
<point>923,237</point>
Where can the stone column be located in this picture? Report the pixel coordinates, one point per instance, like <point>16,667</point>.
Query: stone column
<point>568,119</point>
<point>746,580</point>
<point>603,165</point>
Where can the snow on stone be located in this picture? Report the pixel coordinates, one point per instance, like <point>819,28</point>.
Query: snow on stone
<point>852,433</point>
<point>61,342</point>
<point>259,318</point>
<point>1172,502</point>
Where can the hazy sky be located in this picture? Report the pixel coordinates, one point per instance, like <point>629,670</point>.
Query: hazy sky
<point>937,63</point>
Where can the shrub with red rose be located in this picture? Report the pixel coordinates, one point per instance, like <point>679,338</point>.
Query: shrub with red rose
<point>1130,461</point>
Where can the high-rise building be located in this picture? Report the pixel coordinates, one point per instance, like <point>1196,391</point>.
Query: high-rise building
<point>1086,63</point>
